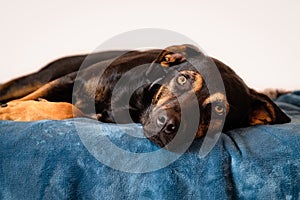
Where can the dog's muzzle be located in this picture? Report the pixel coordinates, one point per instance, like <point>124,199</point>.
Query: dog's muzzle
<point>167,121</point>
<point>162,124</point>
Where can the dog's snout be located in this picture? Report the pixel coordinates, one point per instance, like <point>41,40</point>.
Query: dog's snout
<point>167,122</point>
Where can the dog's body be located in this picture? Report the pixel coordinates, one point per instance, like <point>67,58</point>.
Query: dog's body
<point>150,85</point>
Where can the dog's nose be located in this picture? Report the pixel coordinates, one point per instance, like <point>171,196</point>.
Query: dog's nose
<point>167,123</point>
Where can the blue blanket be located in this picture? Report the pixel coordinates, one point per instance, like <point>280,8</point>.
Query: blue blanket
<point>73,159</point>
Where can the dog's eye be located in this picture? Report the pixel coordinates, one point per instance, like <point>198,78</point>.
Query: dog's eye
<point>219,109</point>
<point>181,80</point>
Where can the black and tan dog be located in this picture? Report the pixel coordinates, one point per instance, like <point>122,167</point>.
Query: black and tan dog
<point>150,87</point>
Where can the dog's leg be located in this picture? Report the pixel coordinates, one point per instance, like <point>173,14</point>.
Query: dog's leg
<point>22,86</point>
<point>38,110</point>
<point>34,106</point>
<point>59,90</point>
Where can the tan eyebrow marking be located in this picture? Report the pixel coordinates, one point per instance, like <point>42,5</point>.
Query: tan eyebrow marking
<point>162,95</point>
<point>216,97</point>
<point>197,83</point>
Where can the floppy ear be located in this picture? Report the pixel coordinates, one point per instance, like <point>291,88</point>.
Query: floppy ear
<point>176,54</point>
<point>264,111</point>
<point>169,57</point>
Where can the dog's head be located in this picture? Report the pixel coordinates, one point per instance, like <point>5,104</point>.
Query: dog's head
<point>200,94</point>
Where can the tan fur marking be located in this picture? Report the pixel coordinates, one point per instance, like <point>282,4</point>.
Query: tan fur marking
<point>216,97</point>
<point>171,58</point>
<point>271,110</point>
<point>162,96</point>
<point>260,117</point>
<point>198,80</point>
<point>178,49</point>
<point>216,126</point>
<point>165,64</point>
<point>200,131</point>
<point>40,92</point>
<point>38,110</point>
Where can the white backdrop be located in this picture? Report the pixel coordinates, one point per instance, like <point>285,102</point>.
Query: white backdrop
<point>258,39</point>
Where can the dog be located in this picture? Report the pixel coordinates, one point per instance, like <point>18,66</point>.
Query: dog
<point>166,90</point>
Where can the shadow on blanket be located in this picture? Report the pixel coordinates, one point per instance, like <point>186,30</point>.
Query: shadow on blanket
<point>46,159</point>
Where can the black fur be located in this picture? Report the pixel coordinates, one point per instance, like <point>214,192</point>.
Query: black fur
<point>89,82</point>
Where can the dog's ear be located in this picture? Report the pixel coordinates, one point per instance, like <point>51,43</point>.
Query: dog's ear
<point>170,56</point>
<point>264,111</point>
<point>176,54</point>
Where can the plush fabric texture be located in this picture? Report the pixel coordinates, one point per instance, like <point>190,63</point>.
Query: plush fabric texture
<point>48,160</point>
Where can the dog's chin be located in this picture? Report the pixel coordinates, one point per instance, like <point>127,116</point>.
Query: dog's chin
<point>161,141</point>
<point>168,141</point>
<point>158,137</point>
<point>184,137</point>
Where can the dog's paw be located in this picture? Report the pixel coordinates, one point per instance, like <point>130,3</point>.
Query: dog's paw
<point>38,110</point>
